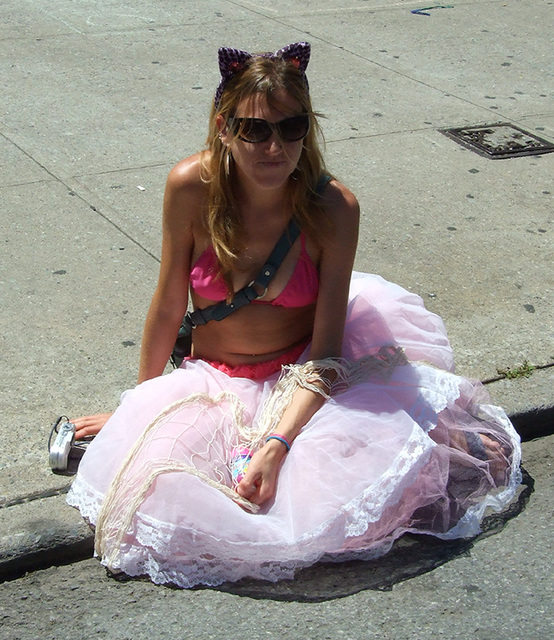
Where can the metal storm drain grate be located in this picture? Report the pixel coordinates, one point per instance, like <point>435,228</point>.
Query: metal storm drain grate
<point>499,140</point>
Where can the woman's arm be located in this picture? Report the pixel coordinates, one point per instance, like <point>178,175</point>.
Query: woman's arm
<point>182,206</point>
<point>335,269</point>
<point>181,209</point>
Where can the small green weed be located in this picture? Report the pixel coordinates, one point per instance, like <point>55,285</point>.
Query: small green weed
<point>523,371</point>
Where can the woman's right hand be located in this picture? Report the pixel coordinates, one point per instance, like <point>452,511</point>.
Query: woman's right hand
<point>90,425</point>
<point>260,480</point>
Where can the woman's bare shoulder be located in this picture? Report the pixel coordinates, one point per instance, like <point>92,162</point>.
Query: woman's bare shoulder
<point>342,208</point>
<point>337,194</point>
<point>187,174</point>
<point>185,193</point>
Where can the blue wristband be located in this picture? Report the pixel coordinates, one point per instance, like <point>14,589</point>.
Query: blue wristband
<point>282,439</point>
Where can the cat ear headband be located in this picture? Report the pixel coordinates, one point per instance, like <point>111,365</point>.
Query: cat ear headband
<point>232,61</point>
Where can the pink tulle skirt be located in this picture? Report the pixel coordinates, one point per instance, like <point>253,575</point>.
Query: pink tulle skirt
<point>420,450</point>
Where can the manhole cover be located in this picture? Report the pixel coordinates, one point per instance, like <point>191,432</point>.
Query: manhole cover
<point>499,140</point>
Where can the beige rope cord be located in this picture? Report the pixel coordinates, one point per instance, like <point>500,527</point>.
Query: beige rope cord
<point>129,487</point>
<point>127,491</point>
<point>311,375</point>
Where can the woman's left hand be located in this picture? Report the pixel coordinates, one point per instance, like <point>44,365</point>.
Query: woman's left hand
<point>260,480</point>
<point>87,426</point>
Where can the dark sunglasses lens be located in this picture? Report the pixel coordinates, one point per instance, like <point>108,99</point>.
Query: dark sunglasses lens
<point>252,129</point>
<point>292,129</point>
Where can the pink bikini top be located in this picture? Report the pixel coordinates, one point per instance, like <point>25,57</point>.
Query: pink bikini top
<point>300,291</point>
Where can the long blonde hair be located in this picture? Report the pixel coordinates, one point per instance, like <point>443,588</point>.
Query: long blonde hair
<point>261,75</point>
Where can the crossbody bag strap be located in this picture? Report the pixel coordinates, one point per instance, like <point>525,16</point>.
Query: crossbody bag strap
<point>243,297</point>
<point>256,289</point>
<point>324,180</point>
<point>251,292</point>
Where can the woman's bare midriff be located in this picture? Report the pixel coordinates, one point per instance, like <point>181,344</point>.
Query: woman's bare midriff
<point>256,333</point>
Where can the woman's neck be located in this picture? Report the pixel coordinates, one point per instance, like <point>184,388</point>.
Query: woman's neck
<point>261,204</point>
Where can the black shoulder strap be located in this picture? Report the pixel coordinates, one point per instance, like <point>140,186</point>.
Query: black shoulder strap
<point>324,180</point>
<point>256,289</point>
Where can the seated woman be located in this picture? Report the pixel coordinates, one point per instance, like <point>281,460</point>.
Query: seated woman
<point>320,420</point>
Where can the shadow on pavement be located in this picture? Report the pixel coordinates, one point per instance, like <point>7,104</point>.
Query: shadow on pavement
<point>410,556</point>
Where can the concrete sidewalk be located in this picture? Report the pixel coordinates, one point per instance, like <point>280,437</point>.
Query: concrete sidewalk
<point>99,100</point>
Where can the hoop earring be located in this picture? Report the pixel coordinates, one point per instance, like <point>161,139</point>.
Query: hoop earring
<point>227,163</point>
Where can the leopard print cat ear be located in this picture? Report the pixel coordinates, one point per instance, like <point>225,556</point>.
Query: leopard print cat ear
<point>297,54</point>
<point>232,61</point>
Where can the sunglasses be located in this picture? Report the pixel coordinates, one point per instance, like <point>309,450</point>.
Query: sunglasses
<point>258,130</point>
